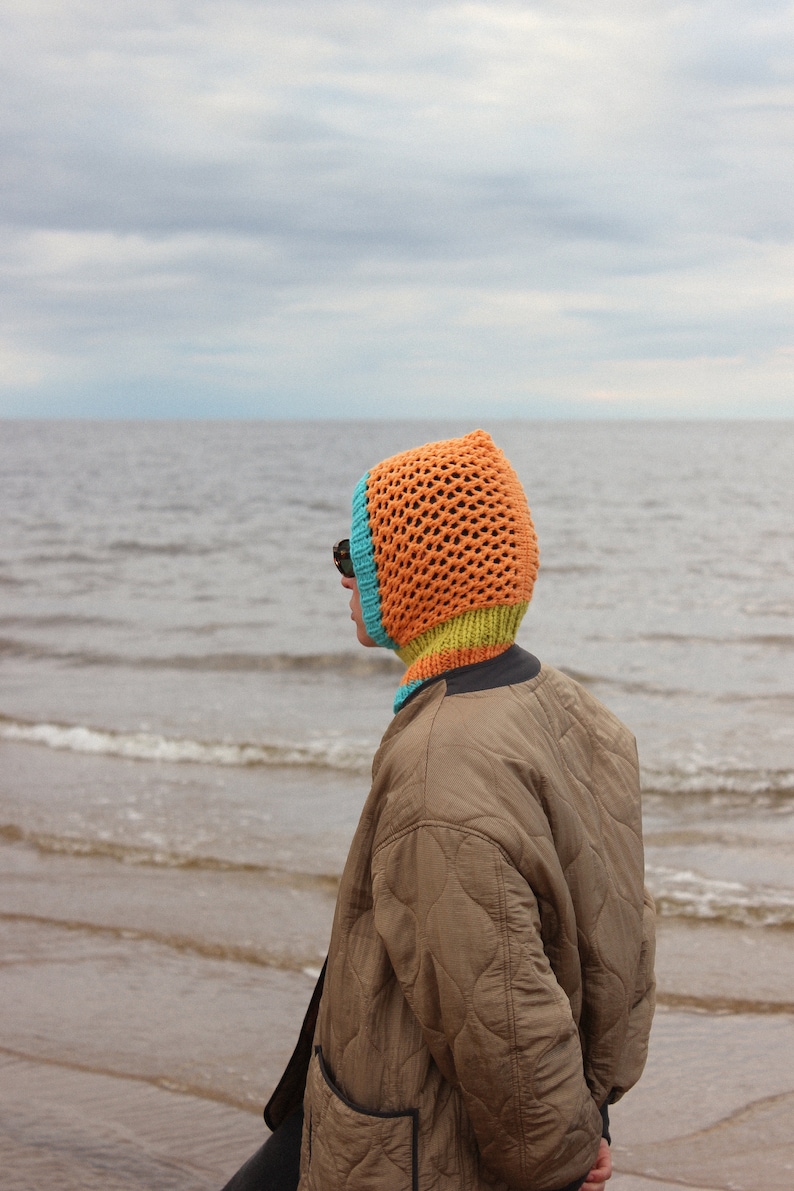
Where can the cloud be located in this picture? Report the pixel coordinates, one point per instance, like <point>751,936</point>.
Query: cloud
<point>332,207</point>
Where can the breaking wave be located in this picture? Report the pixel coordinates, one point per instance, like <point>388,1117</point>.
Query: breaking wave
<point>722,786</point>
<point>286,960</point>
<point>161,856</point>
<point>686,894</point>
<point>150,746</point>
<point>353,664</point>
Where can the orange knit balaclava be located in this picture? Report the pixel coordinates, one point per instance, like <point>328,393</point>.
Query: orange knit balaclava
<point>445,555</point>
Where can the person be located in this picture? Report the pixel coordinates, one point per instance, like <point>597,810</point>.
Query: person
<point>489,987</point>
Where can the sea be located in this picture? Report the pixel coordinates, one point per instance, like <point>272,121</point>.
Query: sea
<point>187,726</point>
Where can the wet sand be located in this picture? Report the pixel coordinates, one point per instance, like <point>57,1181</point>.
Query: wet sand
<point>76,1130</point>
<point>73,1130</point>
<point>715,1106</point>
<point>129,1063</point>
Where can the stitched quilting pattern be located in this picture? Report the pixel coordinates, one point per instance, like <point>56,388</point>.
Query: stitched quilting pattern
<point>367,1150</point>
<point>490,917</point>
<point>501,1061</point>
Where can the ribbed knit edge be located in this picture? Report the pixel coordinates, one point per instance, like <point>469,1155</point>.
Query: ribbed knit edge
<point>404,691</point>
<point>362,554</point>
<point>480,626</point>
<point>437,666</point>
<point>474,636</point>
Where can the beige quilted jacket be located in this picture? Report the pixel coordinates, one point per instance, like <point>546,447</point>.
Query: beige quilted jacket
<point>489,979</point>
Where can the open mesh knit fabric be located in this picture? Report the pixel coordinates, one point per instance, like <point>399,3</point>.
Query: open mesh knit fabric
<point>445,555</point>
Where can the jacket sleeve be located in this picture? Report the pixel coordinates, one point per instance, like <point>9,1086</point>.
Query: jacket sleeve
<point>635,1048</point>
<point>462,930</point>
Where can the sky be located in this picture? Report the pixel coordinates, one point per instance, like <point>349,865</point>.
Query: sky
<point>246,208</point>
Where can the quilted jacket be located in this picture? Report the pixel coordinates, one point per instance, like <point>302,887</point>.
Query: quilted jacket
<point>490,974</point>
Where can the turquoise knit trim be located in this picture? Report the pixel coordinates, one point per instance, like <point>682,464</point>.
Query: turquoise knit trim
<point>362,552</point>
<point>404,691</point>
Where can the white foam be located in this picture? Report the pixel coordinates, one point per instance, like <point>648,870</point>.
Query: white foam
<point>687,894</point>
<point>150,746</point>
<point>719,782</point>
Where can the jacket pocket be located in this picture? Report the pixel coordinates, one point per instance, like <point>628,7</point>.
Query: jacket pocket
<point>354,1148</point>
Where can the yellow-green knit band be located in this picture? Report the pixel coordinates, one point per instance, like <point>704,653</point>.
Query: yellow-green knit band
<point>481,626</point>
<point>471,637</point>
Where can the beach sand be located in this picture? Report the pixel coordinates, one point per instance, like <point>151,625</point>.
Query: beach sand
<point>131,1064</point>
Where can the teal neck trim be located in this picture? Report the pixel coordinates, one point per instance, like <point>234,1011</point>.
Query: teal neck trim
<point>403,692</point>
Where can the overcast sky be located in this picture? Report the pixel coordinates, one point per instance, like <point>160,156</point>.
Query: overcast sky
<point>321,208</point>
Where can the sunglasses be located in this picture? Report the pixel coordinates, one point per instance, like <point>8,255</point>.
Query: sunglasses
<point>344,563</point>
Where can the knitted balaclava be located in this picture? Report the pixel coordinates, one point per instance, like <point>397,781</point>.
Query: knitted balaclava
<point>445,555</point>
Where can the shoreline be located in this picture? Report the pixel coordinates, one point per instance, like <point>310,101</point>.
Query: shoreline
<point>713,967</point>
<point>115,1105</point>
<point>83,1130</point>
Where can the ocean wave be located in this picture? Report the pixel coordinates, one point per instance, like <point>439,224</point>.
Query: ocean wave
<point>625,685</point>
<point>285,960</point>
<point>169,549</point>
<point>704,784</point>
<point>353,664</point>
<point>776,640</point>
<point>147,855</point>
<point>60,621</point>
<point>9,648</point>
<point>568,569</point>
<point>360,665</point>
<point>71,556</point>
<point>721,1004</point>
<point>722,786</point>
<point>677,893</point>
<point>686,894</point>
<point>150,746</point>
